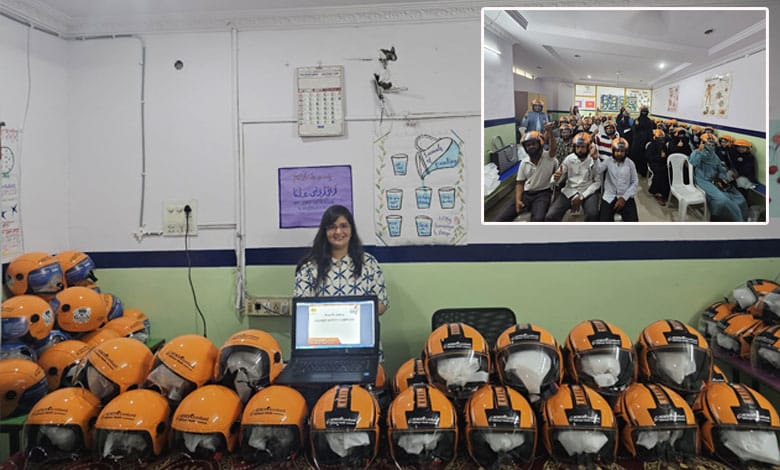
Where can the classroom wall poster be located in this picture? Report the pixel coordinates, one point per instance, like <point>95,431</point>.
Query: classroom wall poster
<point>305,193</point>
<point>420,196</point>
<point>673,98</point>
<point>10,219</point>
<point>610,99</point>
<point>636,98</point>
<point>715,102</point>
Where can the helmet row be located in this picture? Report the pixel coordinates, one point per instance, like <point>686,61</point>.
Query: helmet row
<point>457,360</point>
<point>41,274</point>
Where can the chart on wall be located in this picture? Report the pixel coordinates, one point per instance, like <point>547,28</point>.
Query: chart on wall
<point>610,99</point>
<point>636,98</point>
<point>673,97</point>
<point>715,102</point>
<point>585,97</point>
<point>10,218</point>
<point>420,196</point>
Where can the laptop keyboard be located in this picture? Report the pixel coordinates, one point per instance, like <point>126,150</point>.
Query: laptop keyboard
<point>352,365</point>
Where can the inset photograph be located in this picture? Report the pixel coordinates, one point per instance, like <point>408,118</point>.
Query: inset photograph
<point>642,115</point>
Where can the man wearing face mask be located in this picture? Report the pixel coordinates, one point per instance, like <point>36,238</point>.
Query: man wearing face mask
<point>532,189</point>
<point>642,131</point>
<point>536,119</point>
<point>724,201</point>
<point>582,182</point>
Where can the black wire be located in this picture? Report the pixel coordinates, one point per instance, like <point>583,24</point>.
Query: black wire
<point>189,271</point>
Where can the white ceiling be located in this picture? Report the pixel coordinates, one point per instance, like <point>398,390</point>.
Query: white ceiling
<point>625,47</point>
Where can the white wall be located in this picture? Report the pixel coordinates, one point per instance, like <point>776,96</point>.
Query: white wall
<point>44,152</point>
<point>499,82</point>
<point>746,103</point>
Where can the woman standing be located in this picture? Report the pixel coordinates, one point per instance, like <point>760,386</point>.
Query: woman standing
<point>337,264</point>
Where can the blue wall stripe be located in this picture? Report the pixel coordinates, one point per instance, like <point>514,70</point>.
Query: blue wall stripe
<point>759,134</point>
<point>499,122</point>
<point>477,253</point>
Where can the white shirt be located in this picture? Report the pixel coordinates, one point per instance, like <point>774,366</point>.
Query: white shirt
<point>621,179</point>
<point>582,176</point>
<point>537,175</point>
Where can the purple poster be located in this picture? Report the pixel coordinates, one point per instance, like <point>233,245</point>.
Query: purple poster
<point>305,193</point>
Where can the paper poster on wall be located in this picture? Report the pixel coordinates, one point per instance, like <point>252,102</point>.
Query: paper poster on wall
<point>585,103</point>
<point>585,90</point>
<point>10,223</point>
<point>610,99</point>
<point>420,195</point>
<point>305,193</point>
<point>673,98</point>
<point>636,98</point>
<point>715,101</point>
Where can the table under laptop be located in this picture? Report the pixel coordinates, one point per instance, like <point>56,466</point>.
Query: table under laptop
<point>334,340</point>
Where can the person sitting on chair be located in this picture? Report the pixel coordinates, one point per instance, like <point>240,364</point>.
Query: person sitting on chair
<point>723,199</point>
<point>583,181</point>
<point>620,184</point>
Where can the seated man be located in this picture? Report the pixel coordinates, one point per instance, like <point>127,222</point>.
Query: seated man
<point>583,181</point>
<point>620,184</point>
<point>532,186</point>
<point>724,200</point>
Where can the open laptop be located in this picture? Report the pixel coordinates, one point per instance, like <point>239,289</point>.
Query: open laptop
<point>334,340</point>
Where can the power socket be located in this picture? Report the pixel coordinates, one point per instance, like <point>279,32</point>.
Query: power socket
<point>175,223</point>
<point>268,306</point>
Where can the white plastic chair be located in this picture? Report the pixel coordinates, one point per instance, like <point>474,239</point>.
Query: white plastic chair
<point>687,194</point>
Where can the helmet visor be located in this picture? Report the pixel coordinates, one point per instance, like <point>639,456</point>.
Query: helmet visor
<point>765,357</point>
<point>529,368</point>
<point>343,449</point>
<point>665,443</point>
<point>244,370</point>
<point>423,448</point>
<point>460,373</point>
<point>125,446</point>
<point>492,448</point>
<point>261,444</point>
<point>14,327</point>
<point>583,445</point>
<point>51,442</point>
<point>683,368</point>
<point>45,280</point>
<point>16,350</point>
<point>81,272</point>
<point>744,296</point>
<point>170,384</point>
<point>608,370</point>
<point>199,445</point>
<point>741,445</point>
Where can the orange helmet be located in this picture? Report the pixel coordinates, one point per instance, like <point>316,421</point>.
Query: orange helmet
<point>207,421</point>
<point>345,428</point>
<point>381,390</point>
<point>457,359</point>
<point>684,125</point>
<point>696,129</point>
<point>114,308</point>
<point>729,140</point>
<point>737,425</point>
<point>273,426</point>
<point>656,424</point>
<point>79,309</point>
<point>566,129</point>
<point>531,136</point>
<point>27,318</point>
<point>582,138</point>
<point>248,361</point>
<point>742,143</point>
<point>77,267</point>
<point>619,143</point>
<point>601,356</point>
<point>528,359</point>
<point>709,140</point>
<point>610,123</point>
<point>422,428</point>
<point>736,333</point>
<point>61,425</point>
<point>672,353</point>
<point>753,291</point>
<point>712,315</point>
<point>60,362</point>
<point>536,102</point>
<point>114,367</point>
<point>767,308</point>
<point>500,427</point>
<point>411,372</point>
<point>709,130</point>
<point>578,426</point>
<point>99,336</point>
<point>34,273</point>
<point>136,314</point>
<point>129,327</point>
<point>22,384</point>
<point>765,350</point>
<point>133,427</point>
<point>658,134</point>
<point>182,365</point>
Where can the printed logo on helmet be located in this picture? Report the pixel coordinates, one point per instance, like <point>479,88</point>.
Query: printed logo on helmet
<point>422,416</point>
<point>581,413</point>
<point>342,416</point>
<point>748,411</point>
<point>502,414</point>
<point>120,415</point>
<point>455,340</point>
<point>268,411</point>
<point>180,359</point>
<point>679,334</point>
<point>524,333</point>
<point>82,314</point>
<point>50,410</point>
<point>193,418</point>
<point>602,336</point>
<point>106,358</point>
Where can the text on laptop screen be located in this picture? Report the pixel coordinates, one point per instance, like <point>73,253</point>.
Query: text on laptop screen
<point>334,324</point>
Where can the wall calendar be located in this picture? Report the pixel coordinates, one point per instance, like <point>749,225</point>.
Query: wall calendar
<point>320,100</point>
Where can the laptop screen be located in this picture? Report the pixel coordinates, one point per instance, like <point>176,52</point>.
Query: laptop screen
<point>334,323</point>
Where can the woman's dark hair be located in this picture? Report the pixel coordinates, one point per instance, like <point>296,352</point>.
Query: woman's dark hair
<point>320,252</point>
